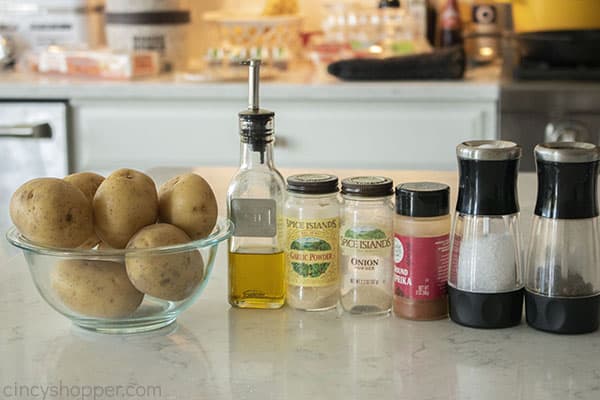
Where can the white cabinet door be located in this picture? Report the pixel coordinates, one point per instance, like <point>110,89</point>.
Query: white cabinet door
<point>316,133</point>
<point>383,135</point>
<point>145,134</point>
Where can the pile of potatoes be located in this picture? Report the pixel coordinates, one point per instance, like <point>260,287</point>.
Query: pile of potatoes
<point>85,210</point>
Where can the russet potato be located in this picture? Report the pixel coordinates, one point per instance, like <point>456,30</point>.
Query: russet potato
<point>188,202</point>
<point>164,276</point>
<point>95,288</point>
<point>52,212</point>
<point>88,183</point>
<point>123,204</point>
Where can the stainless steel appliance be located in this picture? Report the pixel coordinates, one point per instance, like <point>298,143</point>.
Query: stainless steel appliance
<point>549,111</point>
<point>33,143</point>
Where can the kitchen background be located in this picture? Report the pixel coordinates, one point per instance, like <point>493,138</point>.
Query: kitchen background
<point>71,109</point>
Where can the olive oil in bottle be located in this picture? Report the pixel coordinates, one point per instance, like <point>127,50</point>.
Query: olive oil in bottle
<point>257,278</point>
<point>254,203</point>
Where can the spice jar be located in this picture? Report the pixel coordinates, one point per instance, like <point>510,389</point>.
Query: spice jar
<point>485,288</point>
<point>421,250</point>
<point>563,269</point>
<point>312,222</point>
<point>366,246</point>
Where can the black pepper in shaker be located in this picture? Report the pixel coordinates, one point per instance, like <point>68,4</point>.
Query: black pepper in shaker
<point>563,267</point>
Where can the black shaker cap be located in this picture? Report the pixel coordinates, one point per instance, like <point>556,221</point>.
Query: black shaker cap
<point>488,177</point>
<point>567,180</point>
<point>368,186</point>
<point>422,199</point>
<point>312,184</point>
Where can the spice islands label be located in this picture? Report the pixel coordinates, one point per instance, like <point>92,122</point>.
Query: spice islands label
<point>312,251</point>
<point>366,256</point>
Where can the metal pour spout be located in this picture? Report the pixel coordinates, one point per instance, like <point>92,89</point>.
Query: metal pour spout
<point>253,84</point>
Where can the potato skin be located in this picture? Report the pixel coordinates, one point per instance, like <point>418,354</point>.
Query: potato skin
<point>188,202</point>
<point>52,212</point>
<point>123,204</point>
<point>95,288</point>
<point>165,276</point>
<point>87,182</point>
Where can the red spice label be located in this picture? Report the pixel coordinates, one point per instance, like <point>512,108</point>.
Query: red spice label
<point>421,266</point>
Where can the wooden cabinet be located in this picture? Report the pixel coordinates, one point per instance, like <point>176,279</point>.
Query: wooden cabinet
<point>327,133</point>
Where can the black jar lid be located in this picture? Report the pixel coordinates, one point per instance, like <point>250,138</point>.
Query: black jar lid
<point>389,4</point>
<point>567,152</point>
<point>312,184</point>
<point>488,150</point>
<point>422,199</point>
<point>368,186</point>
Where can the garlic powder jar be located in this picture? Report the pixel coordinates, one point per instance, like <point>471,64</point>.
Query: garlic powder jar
<point>312,221</point>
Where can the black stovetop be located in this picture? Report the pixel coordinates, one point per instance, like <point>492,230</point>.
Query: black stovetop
<point>545,72</point>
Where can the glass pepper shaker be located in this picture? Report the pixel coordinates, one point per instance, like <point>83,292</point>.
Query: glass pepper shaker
<point>563,269</point>
<point>485,288</point>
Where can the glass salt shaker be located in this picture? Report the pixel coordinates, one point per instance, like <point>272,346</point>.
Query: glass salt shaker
<point>485,285</point>
<point>563,269</point>
<point>366,245</point>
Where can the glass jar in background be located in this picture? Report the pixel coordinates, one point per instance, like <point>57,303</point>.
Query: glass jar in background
<point>312,222</point>
<point>563,269</point>
<point>421,250</point>
<point>396,29</point>
<point>366,245</point>
<point>485,285</point>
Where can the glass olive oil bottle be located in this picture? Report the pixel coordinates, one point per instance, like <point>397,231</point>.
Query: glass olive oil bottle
<point>254,203</point>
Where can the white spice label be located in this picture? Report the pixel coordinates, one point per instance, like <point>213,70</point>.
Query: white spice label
<point>366,257</point>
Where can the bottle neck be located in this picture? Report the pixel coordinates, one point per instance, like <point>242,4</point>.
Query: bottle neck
<point>452,4</point>
<point>256,155</point>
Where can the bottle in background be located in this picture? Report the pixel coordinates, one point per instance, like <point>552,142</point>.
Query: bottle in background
<point>450,29</point>
<point>255,203</point>
<point>432,23</point>
<point>418,10</point>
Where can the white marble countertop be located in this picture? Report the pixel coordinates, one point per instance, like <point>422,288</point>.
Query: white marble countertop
<point>215,352</point>
<point>302,83</point>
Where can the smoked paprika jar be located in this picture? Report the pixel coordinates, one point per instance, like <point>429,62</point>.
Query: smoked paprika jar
<point>421,250</point>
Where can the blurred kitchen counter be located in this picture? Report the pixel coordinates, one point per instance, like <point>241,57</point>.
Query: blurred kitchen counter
<point>301,83</point>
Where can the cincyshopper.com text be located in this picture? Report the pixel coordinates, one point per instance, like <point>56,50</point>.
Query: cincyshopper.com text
<point>79,392</point>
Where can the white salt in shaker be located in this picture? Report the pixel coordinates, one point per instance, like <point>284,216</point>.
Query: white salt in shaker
<point>485,285</point>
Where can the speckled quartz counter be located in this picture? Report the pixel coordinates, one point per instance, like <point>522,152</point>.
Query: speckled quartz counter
<point>215,352</point>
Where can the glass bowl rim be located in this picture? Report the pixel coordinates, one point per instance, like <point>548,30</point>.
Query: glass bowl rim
<point>222,230</point>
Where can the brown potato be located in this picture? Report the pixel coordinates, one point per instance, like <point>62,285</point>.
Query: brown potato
<point>52,212</point>
<point>165,276</point>
<point>124,203</point>
<point>95,288</point>
<point>188,202</point>
<point>87,182</point>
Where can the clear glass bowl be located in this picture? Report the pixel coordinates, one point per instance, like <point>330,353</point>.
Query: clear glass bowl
<point>91,286</point>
